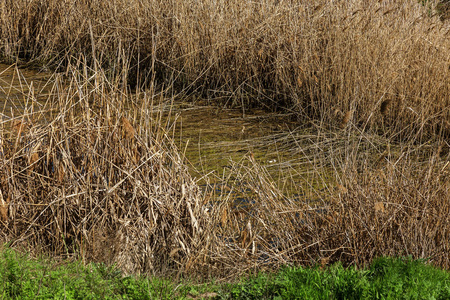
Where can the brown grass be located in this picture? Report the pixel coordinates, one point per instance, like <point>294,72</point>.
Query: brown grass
<point>73,185</point>
<point>399,208</point>
<point>91,179</point>
<point>309,56</point>
<point>96,174</point>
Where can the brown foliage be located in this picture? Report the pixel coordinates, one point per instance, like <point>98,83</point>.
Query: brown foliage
<point>100,187</point>
<point>400,211</point>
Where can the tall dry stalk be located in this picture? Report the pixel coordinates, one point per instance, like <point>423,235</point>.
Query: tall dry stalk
<point>104,182</point>
<point>396,208</point>
<point>87,182</point>
<point>308,56</point>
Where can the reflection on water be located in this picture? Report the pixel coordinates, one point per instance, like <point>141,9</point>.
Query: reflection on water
<point>216,142</point>
<point>211,138</point>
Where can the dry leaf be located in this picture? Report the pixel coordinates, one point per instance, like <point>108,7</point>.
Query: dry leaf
<point>324,262</point>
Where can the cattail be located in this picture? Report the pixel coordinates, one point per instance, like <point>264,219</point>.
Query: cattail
<point>346,119</point>
<point>384,106</point>
<point>128,130</point>
<point>224,217</point>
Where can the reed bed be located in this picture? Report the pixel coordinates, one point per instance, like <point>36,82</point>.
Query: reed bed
<point>93,173</point>
<point>93,170</point>
<point>379,65</point>
<point>82,177</point>
<point>396,207</point>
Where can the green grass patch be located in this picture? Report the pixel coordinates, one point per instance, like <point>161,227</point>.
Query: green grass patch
<point>387,278</point>
<point>25,278</point>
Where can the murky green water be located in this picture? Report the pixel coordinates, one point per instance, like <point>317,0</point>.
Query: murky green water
<point>216,140</point>
<point>215,136</point>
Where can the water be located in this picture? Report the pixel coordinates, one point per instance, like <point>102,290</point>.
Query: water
<point>22,90</point>
<point>218,145</point>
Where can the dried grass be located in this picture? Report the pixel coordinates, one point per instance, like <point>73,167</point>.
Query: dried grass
<point>87,183</point>
<point>399,209</point>
<point>99,182</point>
<point>309,56</point>
<point>96,174</point>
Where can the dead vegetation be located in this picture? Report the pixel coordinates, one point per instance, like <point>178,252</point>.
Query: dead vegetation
<point>311,57</point>
<point>94,172</point>
<point>86,177</point>
<point>99,184</point>
<point>341,197</point>
<point>397,208</point>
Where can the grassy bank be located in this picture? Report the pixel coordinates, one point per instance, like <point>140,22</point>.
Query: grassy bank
<point>22,277</point>
<point>380,65</point>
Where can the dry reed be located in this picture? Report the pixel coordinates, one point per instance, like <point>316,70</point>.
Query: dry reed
<point>309,56</point>
<point>105,183</point>
<point>400,208</point>
<point>86,183</point>
<point>94,182</point>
